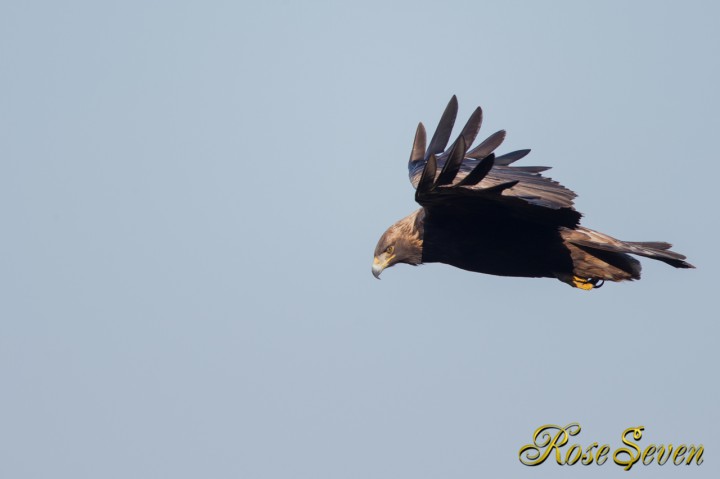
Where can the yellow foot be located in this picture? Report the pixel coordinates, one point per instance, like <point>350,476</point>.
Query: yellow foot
<point>582,283</point>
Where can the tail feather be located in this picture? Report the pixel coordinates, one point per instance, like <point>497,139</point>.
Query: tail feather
<point>650,244</point>
<point>597,255</point>
<point>659,250</point>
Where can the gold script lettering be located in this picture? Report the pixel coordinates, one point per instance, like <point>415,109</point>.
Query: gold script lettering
<point>636,433</point>
<point>544,442</point>
<point>647,457</point>
<point>602,454</point>
<point>691,453</point>
<point>662,458</point>
<point>587,458</point>
<point>679,455</point>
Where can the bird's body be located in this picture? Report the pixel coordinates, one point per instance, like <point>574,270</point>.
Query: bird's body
<point>480,214</point>
<point>494,247</point>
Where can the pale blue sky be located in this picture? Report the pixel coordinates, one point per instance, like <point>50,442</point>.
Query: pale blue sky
<point>191,193</point>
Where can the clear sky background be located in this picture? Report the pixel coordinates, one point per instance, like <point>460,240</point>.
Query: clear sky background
<point>190,196</point>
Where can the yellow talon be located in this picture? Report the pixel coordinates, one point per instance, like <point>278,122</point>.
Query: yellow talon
<point>582,283</point>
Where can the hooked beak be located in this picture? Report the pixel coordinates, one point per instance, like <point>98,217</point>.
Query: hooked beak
<point>380,263</point>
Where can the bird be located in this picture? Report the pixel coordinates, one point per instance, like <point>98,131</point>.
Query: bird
<point>480,213</point>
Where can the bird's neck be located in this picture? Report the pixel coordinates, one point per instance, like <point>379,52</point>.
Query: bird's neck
<point>413,230</point>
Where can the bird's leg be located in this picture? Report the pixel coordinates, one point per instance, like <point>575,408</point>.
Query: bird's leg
<point>582,283</point>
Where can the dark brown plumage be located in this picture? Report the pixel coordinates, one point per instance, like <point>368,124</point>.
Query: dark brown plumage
<point>481,214</point>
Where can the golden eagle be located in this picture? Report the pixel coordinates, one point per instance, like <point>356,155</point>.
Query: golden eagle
<point>481,214</point>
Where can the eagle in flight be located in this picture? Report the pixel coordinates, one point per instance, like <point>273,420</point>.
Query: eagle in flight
<point>481,214</point>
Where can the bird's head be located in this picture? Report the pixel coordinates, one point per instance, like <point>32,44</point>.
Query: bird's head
<point>401,243</point>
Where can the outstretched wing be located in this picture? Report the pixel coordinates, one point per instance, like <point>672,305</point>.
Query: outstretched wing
<point>476,178</point>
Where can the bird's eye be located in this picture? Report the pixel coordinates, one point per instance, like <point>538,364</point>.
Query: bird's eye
<point>390,249</point>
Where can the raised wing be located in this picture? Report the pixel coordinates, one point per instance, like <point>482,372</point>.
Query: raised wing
<point>477,177</point>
